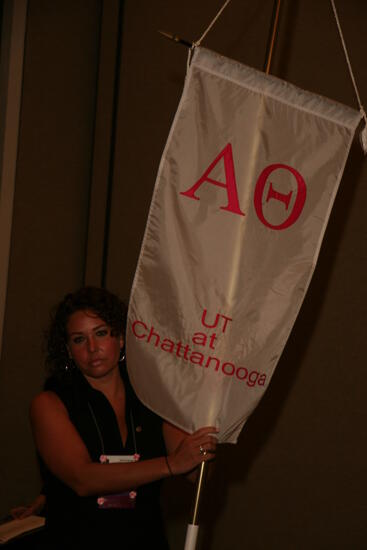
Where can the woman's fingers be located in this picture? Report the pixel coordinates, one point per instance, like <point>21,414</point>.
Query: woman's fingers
<point>206,441</point>
<point>208,448</point>
<point>194,449</point>
<point>205,436</point>
<point>202,432</point>
<point>20,512</point>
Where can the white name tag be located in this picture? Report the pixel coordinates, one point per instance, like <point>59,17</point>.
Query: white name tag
<point>113,459</point>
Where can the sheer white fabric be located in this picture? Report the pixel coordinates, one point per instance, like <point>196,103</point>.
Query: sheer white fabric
<point>242,198</point>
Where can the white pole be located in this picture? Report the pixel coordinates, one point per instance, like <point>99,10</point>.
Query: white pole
<point>193,527</point>
<point>191,536</point>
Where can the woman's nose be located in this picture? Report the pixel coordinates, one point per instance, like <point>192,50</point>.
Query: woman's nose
<point>92,345</point>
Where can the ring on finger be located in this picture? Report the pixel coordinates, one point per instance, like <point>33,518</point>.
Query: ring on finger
<point>203,451</point>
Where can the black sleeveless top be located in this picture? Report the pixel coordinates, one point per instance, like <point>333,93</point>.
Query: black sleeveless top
<point>74,521</point>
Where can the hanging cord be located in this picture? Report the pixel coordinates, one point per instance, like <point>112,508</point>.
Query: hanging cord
<point>198,42</point>
<point>363,134</point>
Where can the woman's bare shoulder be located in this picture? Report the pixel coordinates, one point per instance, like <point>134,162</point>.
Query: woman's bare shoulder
<point>46,401</point>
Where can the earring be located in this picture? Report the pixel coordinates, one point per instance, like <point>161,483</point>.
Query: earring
<point>70,366</point>
<point>122,356</point>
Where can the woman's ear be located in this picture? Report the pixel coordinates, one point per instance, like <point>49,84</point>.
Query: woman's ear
<point>122,341</point>
<point>69,352</point>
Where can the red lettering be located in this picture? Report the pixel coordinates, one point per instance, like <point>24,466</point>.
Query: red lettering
<point>208,361</point>
<point>225,322</point>
<point>199,338</point>
<point>232,367</point>
<point>186,351</point>
<point>272,194</point>
<point>275,195</point>
<point>251,380</point>
<point>139,323</point>
<point>203,320</point>
<point>238,373</point>
<point>155,335</point>
<point>167,345</point>
<point>179,347</point>
<point>230,184</point>
<point>183,351</point>
<point>212,340</point>
<point>197,358</point>
<point>217,317</point>
<point>262,380</point>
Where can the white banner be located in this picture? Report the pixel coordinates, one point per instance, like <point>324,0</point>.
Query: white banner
<point>242,198</point>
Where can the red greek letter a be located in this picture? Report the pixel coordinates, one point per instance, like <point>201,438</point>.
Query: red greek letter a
<point>230,184</point>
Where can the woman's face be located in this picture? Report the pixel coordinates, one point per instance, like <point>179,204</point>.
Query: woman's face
<point>90,344</point>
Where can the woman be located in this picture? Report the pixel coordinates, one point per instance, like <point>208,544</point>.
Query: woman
<point>89,411</point>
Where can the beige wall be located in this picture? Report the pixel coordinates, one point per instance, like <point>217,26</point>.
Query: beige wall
<point>50,213</point>
<point>297,478</point>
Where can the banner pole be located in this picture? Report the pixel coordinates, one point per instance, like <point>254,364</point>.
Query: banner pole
<point>272,35</point>
<point>193,526</point>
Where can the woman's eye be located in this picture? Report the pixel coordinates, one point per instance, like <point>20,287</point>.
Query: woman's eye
<point>102,332</point>
<point>78,339</point>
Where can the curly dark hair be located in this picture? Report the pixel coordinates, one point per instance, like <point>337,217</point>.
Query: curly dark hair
<point>99,300</point>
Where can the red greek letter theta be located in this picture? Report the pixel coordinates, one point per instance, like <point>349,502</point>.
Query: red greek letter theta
<point>276,195</point>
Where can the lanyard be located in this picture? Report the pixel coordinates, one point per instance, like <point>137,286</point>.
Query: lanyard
<point>132,427</point>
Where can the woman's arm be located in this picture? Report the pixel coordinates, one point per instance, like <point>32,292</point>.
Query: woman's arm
<point>65,454</point>
<point>173,436</point>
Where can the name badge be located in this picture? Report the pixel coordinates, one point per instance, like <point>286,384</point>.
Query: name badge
<point>125,500</point>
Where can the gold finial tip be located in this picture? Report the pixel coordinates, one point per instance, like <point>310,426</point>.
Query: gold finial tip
<point>175,38</point>
<point>166,34</point>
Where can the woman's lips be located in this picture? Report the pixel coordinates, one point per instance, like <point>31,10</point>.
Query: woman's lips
<point>96,362</point>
